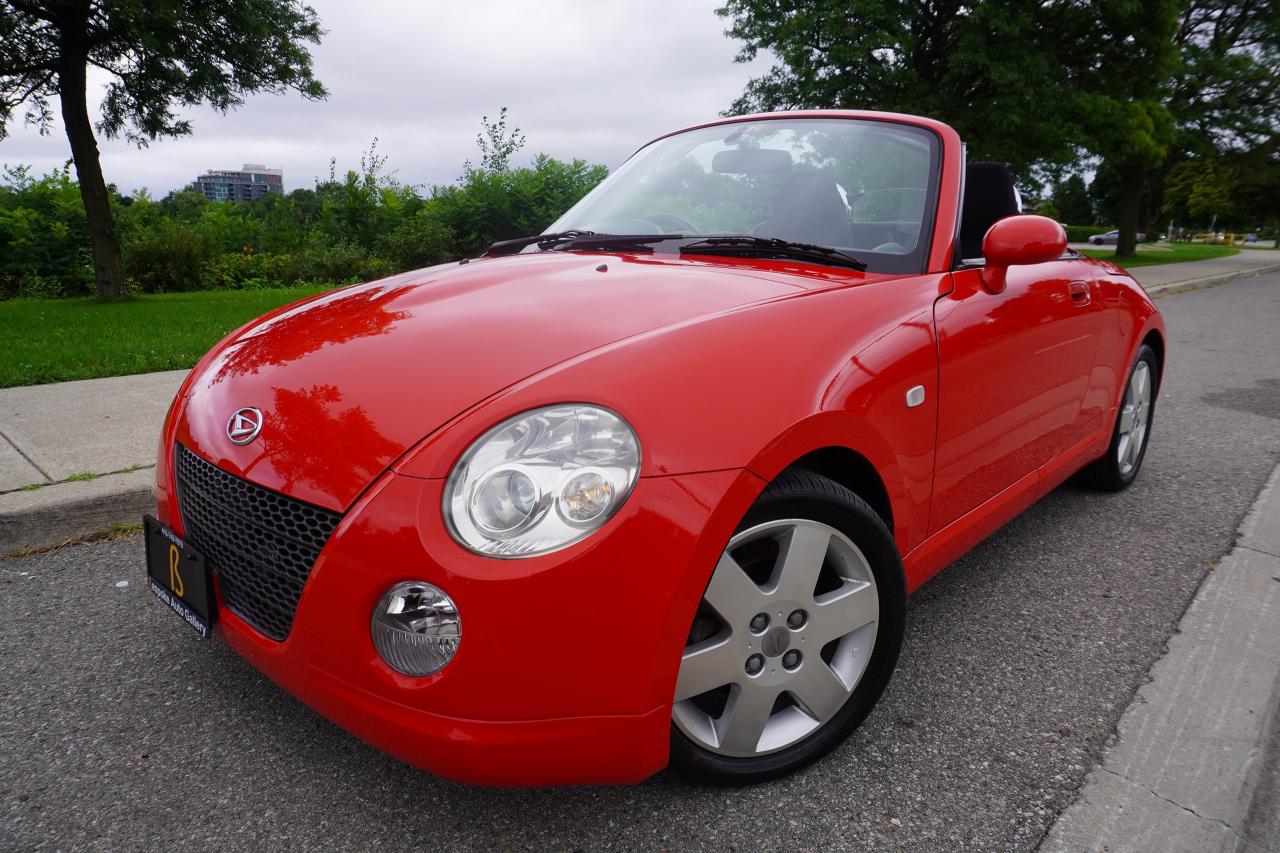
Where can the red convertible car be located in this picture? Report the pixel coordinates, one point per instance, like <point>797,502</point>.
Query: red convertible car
<point>652,487</point>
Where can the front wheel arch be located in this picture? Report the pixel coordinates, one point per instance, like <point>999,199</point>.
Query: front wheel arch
<point>849,468</point>
<point>852,451</point>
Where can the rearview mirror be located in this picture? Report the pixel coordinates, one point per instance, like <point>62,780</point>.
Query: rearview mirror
<point>1018,241</point>
<point>751,161</point>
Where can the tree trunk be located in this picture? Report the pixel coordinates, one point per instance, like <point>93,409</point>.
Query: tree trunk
<point>1132,176</point>
<point>73,94</point>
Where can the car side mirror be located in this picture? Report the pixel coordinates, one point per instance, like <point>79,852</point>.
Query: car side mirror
<point>1018,241</point>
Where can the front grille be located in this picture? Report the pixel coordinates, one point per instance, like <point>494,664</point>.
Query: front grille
<point>260,543</point>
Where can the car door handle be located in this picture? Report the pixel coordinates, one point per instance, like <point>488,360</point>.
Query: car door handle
<point>1080,295</point>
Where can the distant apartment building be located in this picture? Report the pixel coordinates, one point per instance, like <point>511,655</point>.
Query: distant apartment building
<point>252,182</point>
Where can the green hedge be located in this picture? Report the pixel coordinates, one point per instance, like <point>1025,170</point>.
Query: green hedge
<point>361,226</point>
<point>1082,233</point>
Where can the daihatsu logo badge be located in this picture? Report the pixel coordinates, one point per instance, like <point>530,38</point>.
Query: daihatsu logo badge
<point>244,426</point>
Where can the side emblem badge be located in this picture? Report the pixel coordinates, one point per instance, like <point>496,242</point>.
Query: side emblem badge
<point>244,426</point>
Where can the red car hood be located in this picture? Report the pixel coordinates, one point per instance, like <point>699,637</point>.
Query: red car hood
<point>347,382</point>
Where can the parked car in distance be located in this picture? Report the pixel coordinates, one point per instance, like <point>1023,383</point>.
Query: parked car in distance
<point>1112,237</point>
<point>651,488</point>
<point>1251,238</point>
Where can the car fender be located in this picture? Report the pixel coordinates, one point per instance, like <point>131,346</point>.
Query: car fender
<point>847,430</point>
<point>822,369</point>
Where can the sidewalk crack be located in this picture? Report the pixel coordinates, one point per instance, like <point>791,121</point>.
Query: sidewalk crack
<point>1259,551</point>
<point>30,461</point>
<point>1175,804</point>
<point>77,478</point>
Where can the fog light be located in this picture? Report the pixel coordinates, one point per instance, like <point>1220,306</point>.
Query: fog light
<point>415,628</point>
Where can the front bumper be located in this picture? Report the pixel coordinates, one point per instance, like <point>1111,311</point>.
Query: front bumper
<point>567,663</point>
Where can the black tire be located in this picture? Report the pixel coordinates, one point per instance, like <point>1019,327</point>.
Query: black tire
<point>802,494</point>
<point>1105,473</point>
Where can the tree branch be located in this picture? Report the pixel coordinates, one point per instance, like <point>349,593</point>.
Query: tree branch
<point>10,103</point>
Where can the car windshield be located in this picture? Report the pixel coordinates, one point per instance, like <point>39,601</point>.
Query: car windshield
<point>865,187</point>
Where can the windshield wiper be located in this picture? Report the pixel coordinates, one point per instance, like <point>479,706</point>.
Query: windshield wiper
<point>579,239</point>
<point>632,242</point>
<point>759,247</point>
<point>772,247</point>
<point>544,241</point>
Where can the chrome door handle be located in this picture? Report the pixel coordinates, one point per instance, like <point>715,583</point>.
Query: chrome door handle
<point>1080,295</point>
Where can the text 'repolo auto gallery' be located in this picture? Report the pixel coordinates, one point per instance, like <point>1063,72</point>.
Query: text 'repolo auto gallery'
<point>650,489</point>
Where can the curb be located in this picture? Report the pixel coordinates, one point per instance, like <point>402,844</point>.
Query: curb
<point>1207,281</point>
<point>1197,745</point>
<point>54,514</point>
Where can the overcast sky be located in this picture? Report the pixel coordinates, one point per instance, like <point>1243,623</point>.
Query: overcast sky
<point>582,78</point>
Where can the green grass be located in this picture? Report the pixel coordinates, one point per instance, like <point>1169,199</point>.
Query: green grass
<point>1164,253</point>
<point>53,340</point>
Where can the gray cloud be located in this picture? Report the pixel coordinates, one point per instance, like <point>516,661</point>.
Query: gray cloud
<point>581,78</point>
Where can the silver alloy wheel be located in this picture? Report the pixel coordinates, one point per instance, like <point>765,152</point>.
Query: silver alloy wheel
<point>1135,415</point>
<point>779,640</point>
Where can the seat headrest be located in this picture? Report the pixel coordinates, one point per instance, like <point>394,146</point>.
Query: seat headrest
<point>989,196</point>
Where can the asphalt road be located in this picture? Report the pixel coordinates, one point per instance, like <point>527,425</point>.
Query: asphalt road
<point>118,729</point>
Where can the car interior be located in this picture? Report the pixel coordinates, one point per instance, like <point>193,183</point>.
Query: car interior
<point>812,207</point>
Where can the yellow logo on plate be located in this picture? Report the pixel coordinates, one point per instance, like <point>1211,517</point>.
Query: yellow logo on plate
<point>175,577</point>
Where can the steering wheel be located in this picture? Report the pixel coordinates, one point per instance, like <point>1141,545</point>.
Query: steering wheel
<point>672,224</point>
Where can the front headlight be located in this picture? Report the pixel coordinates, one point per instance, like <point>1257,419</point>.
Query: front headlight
<point>542,480</point>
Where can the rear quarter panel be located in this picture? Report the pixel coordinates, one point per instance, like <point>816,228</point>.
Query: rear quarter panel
<point>1132,316</point>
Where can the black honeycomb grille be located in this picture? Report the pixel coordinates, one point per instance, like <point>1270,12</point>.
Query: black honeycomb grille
<point>260,543</point>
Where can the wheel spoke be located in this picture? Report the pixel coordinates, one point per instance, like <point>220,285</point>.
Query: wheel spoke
<point>744,718</point>
<point>731,593</point>
<point>817,687</point>
<point>844,610</point>
<point>1140,382</point>
<point>801,560</point>
<point>1135,444</point>
<point>710,664</point>
<point>1127,415</point>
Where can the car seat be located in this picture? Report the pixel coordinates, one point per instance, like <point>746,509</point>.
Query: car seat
<point>809,209</point>
<point>989,195</point>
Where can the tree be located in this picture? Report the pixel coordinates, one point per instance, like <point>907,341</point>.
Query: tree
<point>979,67</point>
<point>1156,81</point>
<point>1119,58</point>
<point>159,55</point>
<point>1231,188</point>
<point>496,145</point>
<point>1071,196</point>
<point>1129,82</point>
<point>1224,94</point>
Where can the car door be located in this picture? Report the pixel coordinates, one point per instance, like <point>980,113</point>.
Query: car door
<point>1013,371</point>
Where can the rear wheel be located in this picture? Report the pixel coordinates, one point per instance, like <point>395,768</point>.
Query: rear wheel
<point>796,636</point>
<point>1118,468</point>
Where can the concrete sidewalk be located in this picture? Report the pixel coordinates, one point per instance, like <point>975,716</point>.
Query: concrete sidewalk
<point>1189,275</point>
<point>1168,278</point>
<point>1195,764</point>
<point>76,457</point>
